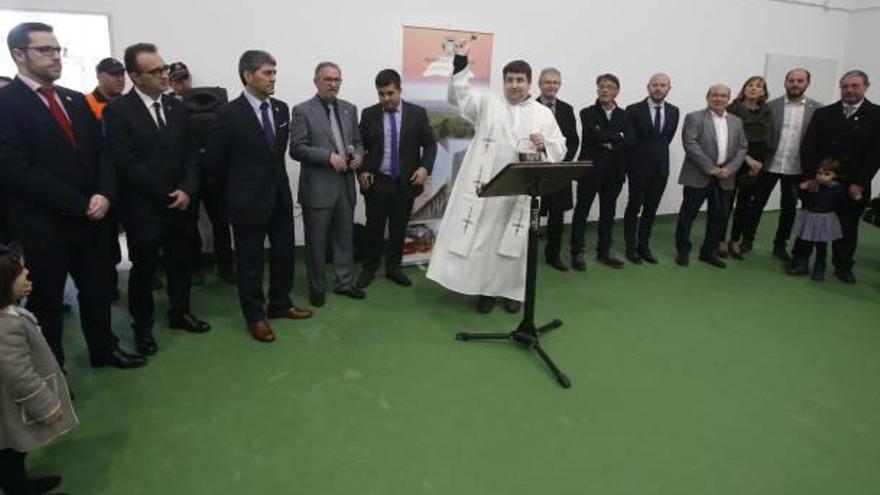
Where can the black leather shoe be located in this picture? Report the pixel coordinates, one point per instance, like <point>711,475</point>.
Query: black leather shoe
<point>578,263</point>
<point>352,292</point>
<point>365,278</point>
<point>682,259</point>
<point>721,253</point>
<point>610,261</point>
<point>818,273</point>
<point>845,275</point>
<point>399,278</point>
<point>648,256</point>
<point>118,358</point>
<point>780,253</point>
<point>188,322</point>
<point>44,484</point>
<point>633,256</point>
<point>317,299</point>
<point>558,264</point>
<point>713,260</point>
<point>746,246</point>
<point>144,343</point>
<point>797,267</point>
<point>512,306</point>
<point>485,304</point>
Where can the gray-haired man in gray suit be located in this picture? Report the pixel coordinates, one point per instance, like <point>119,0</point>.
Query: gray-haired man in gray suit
<point>715,146</point>
<point>324,138</point>
<point>791,114</point>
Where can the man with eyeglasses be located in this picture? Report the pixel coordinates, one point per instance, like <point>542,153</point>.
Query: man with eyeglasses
<point>325,139</point>
<point>148,140</point>
<point>59,190</point>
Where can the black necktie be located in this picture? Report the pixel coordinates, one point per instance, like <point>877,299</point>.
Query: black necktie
<point>657,126</point>
<point>158,108</point>
<point>268,130</point>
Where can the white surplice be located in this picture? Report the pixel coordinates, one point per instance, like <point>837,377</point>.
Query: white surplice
<point>481,246</point>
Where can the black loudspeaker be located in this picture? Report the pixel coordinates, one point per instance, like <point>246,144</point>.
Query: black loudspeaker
<point>202,102</point>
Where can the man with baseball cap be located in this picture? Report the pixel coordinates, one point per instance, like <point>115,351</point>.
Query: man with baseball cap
<point>180,79</point>
<point>111,82</point>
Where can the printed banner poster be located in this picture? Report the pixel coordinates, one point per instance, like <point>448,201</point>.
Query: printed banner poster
<point>427,66</point>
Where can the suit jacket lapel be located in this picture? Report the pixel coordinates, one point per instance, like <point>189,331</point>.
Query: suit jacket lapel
<point>730,150</point>
<point>380,125</point>
<point>36,101</point>
<point>709,124</point>
<point>143,113</point>
<point>277,117</point>
<point>255,124</point>
<point>322,116</point>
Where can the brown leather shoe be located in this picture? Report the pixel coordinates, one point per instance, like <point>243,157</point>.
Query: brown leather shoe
<point>291,313</point>
<point>261,331</point>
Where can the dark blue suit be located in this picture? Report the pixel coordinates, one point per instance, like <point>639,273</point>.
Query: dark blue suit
<point>48,182</point>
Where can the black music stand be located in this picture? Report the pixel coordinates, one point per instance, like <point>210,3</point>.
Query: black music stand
<point>534,179</point>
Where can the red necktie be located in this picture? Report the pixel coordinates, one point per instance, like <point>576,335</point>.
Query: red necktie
<point>57,112</point>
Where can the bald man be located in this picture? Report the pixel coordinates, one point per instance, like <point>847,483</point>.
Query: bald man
<point>654,121</point>
<point>714,146</point>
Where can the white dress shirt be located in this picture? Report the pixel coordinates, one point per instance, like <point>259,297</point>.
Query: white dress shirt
<point>720,123</point>
<point>255,104</point>
<point>786,160</point>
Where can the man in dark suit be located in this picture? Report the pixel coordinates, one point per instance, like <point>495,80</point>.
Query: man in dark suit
<point>58,191</point>
<point>715,146</point>
<point>654,122</point>
<point>607,134</point>
<point>325,139</point>
<point>847,131</point>
<point>399,152</point>
<point>148,140</point>
<point>555,205</point>
<point>245,151</point>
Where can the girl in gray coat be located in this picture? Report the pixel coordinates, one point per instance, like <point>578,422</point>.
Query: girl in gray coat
<point>35,406</point>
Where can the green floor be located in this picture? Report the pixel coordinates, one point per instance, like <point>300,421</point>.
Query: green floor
<point>686,381</point>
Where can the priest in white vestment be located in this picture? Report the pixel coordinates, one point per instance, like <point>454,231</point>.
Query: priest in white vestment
<point>481,247</point>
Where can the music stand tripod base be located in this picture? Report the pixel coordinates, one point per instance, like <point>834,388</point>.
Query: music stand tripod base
<point>534,179</point>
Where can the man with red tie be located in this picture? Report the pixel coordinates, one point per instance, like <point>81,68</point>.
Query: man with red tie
<point>58,191</point>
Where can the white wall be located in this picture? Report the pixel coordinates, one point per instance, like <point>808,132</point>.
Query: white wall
<point>697,42</point>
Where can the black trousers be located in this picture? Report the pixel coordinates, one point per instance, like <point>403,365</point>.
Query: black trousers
<point>740,206</point>
<point>787,203</point>
<point>843,250</point>
<point>81,249</point>
<point>212,196</point>
<point>644,198</point>
<point>172,233</point>
<point>386,203</point>
<point>249,239</point>
<point>13,477</point>
<point>555,221</point>
<point>607,184</point>
<point>693,199</point>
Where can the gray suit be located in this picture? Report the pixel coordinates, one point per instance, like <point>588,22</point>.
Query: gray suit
<point>788,182</point>
<point>32,385</point>
<point>327,197</point>
<point>701,156</point>
<point>701,150</point>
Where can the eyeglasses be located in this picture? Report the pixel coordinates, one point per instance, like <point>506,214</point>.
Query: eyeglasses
<point>332,80</point>
<point>157,72</point>
<point>47,50</point>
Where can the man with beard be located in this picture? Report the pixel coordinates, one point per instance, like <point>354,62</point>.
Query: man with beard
<point>791,115</point>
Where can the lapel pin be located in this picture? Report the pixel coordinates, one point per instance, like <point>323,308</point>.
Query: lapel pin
<point>68,98</point>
